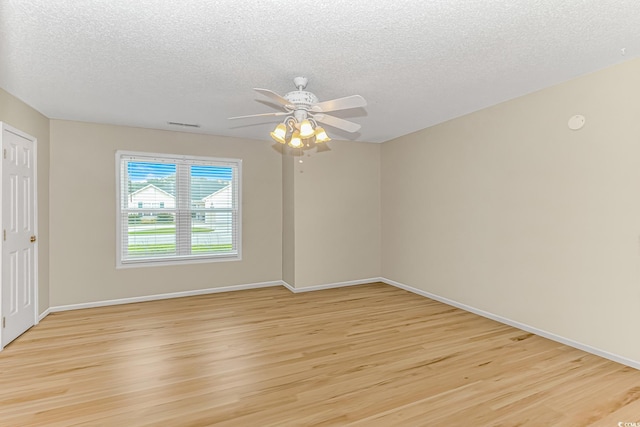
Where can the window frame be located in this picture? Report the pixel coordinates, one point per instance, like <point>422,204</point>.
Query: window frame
<point>236,183</point>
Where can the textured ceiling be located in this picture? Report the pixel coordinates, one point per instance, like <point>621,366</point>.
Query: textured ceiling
<point>417,62</point>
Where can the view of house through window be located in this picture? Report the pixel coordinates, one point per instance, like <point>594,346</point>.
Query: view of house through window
<point>177,208</point>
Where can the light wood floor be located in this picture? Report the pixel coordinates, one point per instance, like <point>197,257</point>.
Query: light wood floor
<point>369,355</point>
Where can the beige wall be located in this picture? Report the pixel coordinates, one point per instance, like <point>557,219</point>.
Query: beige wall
<point>509,211</point>
<point>19,115</point>
<point>83,214</point>
<point>337,214</point>
<point>310,223</point>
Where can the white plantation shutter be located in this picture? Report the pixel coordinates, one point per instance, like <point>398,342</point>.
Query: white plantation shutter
<point>177,208</point>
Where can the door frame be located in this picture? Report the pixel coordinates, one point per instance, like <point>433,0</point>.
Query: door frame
<point>5,127</point>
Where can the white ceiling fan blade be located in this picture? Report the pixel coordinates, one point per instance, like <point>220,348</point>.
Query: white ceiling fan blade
<point>279,113</point>
<point>275,97</point>
<point>337,122</point>
<point>353,101</point>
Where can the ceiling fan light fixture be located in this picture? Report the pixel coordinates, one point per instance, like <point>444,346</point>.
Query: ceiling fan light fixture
<point>279,133</point>
<point>302,112</point>
<point>321,135</point>
<point>295,142</point>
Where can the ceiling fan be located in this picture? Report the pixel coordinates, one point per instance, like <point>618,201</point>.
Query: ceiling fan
<point>303,111</point>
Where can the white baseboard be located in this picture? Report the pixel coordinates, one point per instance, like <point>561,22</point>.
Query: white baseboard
<point>162,296</point>
<point>330,285</point>
<point>562,340</point>
<point>44,314</point>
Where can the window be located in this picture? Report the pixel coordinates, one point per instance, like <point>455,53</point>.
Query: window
<point>174,209</point>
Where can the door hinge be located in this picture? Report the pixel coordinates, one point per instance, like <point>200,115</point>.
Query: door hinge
<point>4,322</point>
<point>4,234</point>
<point>4,153</point>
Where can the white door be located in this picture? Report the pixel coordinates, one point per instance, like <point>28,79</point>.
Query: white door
<point>19,248</point>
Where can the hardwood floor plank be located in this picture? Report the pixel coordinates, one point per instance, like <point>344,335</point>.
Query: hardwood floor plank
<point>367,355</point>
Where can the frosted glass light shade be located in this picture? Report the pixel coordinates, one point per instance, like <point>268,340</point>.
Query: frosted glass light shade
<point>306,130</point>
<point>279,133</point>
<point>321,135</point>
<point>295,142</point>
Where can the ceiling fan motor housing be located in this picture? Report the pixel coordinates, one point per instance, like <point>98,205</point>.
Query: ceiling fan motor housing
<point>301,99</point>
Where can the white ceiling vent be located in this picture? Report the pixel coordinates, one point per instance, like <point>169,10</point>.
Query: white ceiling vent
<point>185,125</point>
